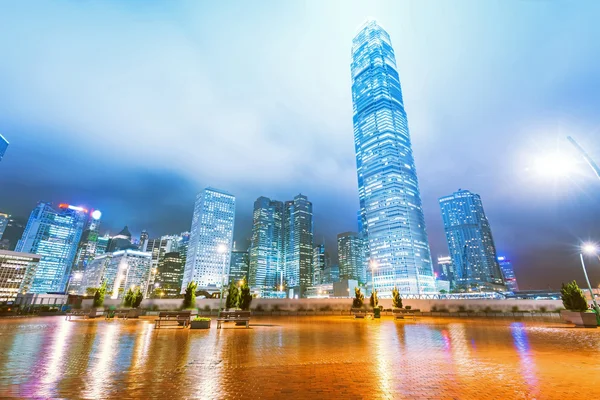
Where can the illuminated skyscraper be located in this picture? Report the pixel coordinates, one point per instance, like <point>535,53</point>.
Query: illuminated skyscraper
<point>211,238</point>
<point>169,275</point>
<point>508,273</point>
<point>3,146</point>
<point>3,223</point>
<point>266,246</point>
<point>446,270</point>
<point>240,263</point>
<point>298,243</point>
<point>470,242</point>
<point>16,273</point>
<point>391,213</point>
<point>351,256</point>
<point>54,235</point>
<point>86,251</point>
<point>320,263</point>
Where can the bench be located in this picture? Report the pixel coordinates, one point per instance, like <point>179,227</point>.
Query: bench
<point>404,313</point>
<point>360,312</point>
<point>233,316</point>
<point>169,317</point>
<point>77,313</point>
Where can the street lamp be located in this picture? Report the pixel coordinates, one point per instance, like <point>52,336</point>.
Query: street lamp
<point>591,249</point>
<point>222,249</point>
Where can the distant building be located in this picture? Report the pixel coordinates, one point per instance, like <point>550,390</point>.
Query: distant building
<point>86,251</point>
<point>332,274</point>
<point>3,146</point>
<point>122,270</point>
<point>121,241</point>
<point>351,256</point>
<point>345,288</point>
<point>470,242</point>
<point>211,239</point>
<point>3,223</point>
<point>266,246</point>
<point>158,248</point>
<point>508,273</point>
<point>320,262</point>
<point>169,274</point>
<point>12,233</point>
<point>445,270</point>
<point>298,243</point>
<point>16,273</point>
<point>239,267</point>
<point>53,234</point>
<point>143,241</point>
<point>102,245</point>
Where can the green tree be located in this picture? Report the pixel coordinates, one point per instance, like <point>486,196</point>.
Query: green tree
<point>374,300</point>
<point>99,296</point>
<point>245,298</point>
<point>91,291</point>
<point>138,296</point>
<point>189,300</point>
<point>396,299</point>
<point>128,300</point>
<point>572,297</point>
<point>233,296</point>
<point>443,291</point>
<point>359,298</point>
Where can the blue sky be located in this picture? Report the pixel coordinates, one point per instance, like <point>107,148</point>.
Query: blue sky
<point>132,107</point>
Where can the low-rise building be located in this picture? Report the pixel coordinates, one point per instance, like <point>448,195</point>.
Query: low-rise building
<point>16,273</point>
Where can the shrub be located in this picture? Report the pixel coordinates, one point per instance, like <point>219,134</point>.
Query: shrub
<point>245,296</point>
<point>91,291</point>
<point>201,319</point>
<point>359,298</point>
<point>189,299</point>
<point>128,299</point>
<point>408,307</point>
<point>396,299</point>
<point>514,309</point>
<point>233,296</point>
<point>374,300</point>
<point>138,296</point>
<point>572,297</point>
<point>99,295</point>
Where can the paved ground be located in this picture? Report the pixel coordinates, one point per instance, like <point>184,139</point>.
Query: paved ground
<point>299,358</point>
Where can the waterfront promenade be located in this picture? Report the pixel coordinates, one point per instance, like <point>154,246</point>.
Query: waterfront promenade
<point>302,357</point>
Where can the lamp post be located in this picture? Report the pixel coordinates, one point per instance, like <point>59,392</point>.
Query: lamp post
<point>222,249</point>
<point>591,249</point>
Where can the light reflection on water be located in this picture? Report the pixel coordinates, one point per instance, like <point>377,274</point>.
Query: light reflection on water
<point>104,359</point>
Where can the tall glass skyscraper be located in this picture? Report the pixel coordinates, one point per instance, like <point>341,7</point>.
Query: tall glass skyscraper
<point>211,239</point>
<point>470,242</point>
<point>298,243</point>
<point>508,273</point>
<point>351,256</point>
<point>390,202</point>
<point>3,146</point>
<point>266,247</point>
<point>54,235</point>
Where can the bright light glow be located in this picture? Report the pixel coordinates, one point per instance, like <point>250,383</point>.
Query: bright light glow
<point>373,264</point>
<point>77,276</point>
<point>589,248</point>
<point>96,214</point>
<point>554,165</point>
<point>222,248</point>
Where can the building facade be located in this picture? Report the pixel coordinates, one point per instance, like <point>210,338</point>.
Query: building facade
<point>391,212</point>
<point>470,242</point>
<point>3,223</point>
<point>16,273</point>
<point>3,146</point>
<point>86,251</point>
<point>169,275</point>
<point>240,266</point>
<point>298,243</point>
<point>332,274</point>
<point>508,273</point>
<point>12,233</point>
<point>320,263</point>
<point>446,270</point>
<point>351,256</point>
<point>266,246</point>
<point>211,239</point>
<point>53,234</point>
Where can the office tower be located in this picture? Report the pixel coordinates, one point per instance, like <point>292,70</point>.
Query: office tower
<point>121,241</point>
<point>169,275</point>
<point>143,241</point>
<point>86,251</point>
<point>332,274</point>
<point>320,262</point>
<point>446,270</point>
<point>351,256</point>
<point>3,146</point>
<point>3,223</point>
<point>182,246</point>
<point>470,242</point>
<point>508,273</point>
<point>211,237</point>
<point>16,273</point>
<point>102,244</point>
<point>12,233</point>
<point>266,246</point>
<point>390,202</point>
<point>298,243</point>
<point>240,266</point>
<point>54,235</point>
<point>121,270</point>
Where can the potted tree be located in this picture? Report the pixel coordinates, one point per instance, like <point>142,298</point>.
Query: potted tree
<point>374,302</point>
<point>576,307</point>
<point>245,297</point>
<point>200,323</point>
<point>397,304</point>
<point>358,303</point>
<point>97,307</point>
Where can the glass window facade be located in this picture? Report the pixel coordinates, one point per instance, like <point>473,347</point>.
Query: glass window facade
<point>391,214</point>
<point>351,256</point>
<point>3,146</point>
<point>298,243</point>
<point>16,273</point>
<point>266,246</point>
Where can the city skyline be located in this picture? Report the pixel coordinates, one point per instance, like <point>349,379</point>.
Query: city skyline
<point>485,151</point>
